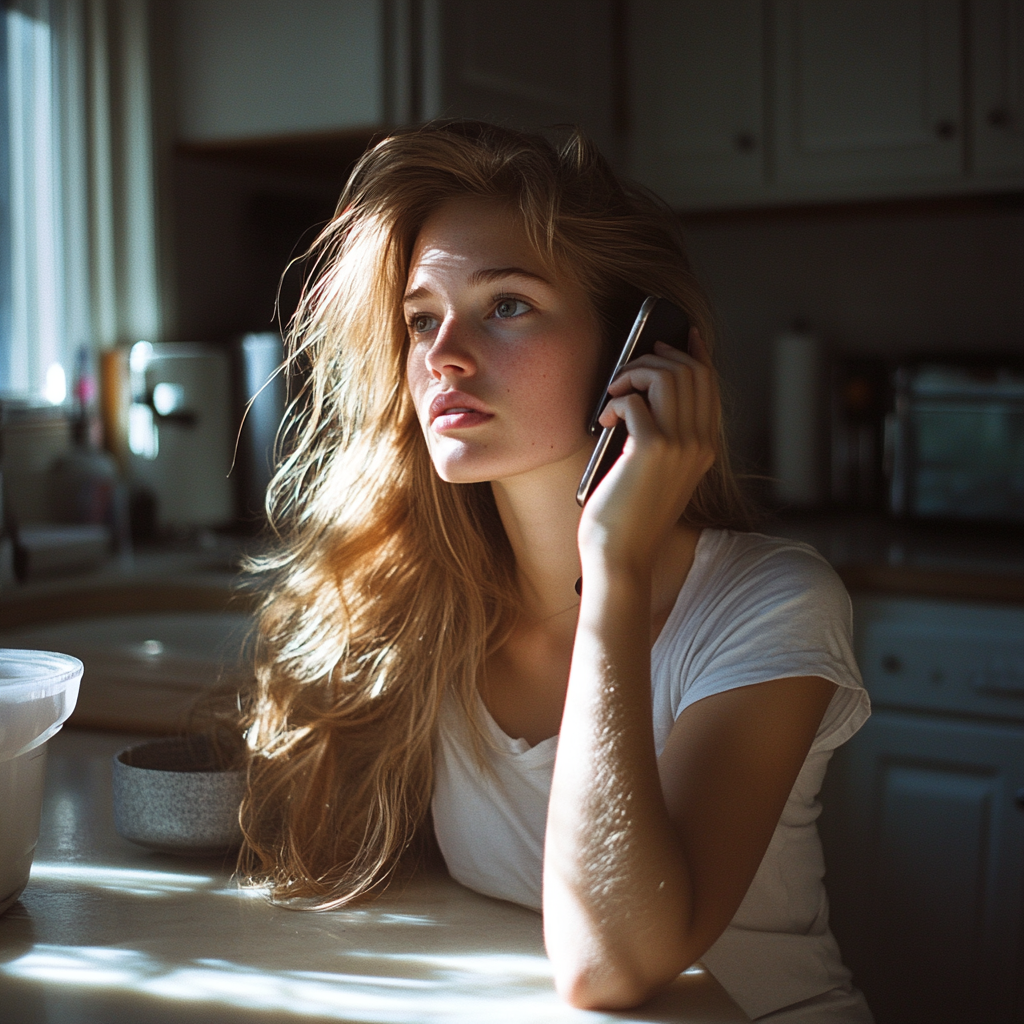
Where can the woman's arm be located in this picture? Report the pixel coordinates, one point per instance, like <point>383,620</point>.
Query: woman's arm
<point>645,864</point>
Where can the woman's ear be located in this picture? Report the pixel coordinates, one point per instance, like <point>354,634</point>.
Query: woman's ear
<point>697,348</point>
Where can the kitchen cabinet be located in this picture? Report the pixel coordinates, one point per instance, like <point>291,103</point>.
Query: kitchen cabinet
<point>867,94</point>
<point>697,118</point>
<point>323,67</point>
<point>762,102</point>
<point>263,68</point>
<point>923,822</point>
<point>532,63</point>
<point>997,97</point>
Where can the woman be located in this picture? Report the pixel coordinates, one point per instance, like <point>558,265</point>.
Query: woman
<point>640,763</point>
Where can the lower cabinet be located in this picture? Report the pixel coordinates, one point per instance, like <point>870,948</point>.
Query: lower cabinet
<point>923,827</point>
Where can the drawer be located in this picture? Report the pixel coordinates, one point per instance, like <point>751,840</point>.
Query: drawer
<point>942,656</point>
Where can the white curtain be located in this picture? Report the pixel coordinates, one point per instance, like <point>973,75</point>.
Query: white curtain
<point>83,193</point>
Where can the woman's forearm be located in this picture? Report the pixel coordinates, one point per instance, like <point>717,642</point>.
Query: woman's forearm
<point>617,893</point>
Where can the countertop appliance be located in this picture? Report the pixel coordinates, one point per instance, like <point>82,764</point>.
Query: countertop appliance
<point>954,441</point>
<point>180,431</point>
<point>930,439</point>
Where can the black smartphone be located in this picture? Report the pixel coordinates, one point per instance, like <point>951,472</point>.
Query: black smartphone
<point>658,320</point>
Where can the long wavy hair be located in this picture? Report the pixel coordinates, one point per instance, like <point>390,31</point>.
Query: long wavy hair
<point>388,587</point>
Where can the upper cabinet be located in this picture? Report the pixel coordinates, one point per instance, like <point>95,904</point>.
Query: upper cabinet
<point>866,93</point>
<point>266,68</point>
<point>713,104</point>
<point>996,62</point>
<point>697,118</point>
<point>755,102</point>
<point>254,74</point>
<point>531,63</point>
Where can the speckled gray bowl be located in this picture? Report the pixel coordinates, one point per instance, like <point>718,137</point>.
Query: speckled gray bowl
<point>170,795</point>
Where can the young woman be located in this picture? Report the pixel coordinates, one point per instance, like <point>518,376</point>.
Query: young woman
<point>640,763</point>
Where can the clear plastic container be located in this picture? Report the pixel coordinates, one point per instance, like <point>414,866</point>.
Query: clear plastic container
<point>38,691</point>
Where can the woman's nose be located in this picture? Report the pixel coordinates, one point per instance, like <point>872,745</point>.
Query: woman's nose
<point>451,354</point>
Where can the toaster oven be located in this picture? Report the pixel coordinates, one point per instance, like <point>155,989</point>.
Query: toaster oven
<point>954,441</point>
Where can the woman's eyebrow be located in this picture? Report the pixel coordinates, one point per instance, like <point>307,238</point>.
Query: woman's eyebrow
<point>494,273</point>
<point>481,277</point>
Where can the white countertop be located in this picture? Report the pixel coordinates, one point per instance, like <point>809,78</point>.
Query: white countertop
<point>109,932</point>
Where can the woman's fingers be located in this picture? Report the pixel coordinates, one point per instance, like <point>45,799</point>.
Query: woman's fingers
<point>663,389</point>
<point>681,390</point>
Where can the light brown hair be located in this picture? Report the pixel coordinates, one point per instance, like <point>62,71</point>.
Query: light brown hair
<point>388,587</point>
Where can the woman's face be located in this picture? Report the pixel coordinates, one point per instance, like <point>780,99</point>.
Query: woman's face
<point>503,356</point>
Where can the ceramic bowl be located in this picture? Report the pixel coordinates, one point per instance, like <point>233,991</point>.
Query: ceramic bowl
<point>38,690</point>
<point>172,795</point>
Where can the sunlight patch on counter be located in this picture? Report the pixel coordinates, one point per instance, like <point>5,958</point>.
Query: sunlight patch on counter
<point>507,965</point>
<point>463,989</point>
<point>131,881</point>
<point>92,966</point>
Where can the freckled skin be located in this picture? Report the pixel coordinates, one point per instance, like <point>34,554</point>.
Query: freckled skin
<point>549,348</point>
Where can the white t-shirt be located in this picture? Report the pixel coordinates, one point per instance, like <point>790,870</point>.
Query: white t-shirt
<point>753,608</point>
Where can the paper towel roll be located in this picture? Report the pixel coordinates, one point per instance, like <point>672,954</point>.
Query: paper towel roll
<point>797,434</point>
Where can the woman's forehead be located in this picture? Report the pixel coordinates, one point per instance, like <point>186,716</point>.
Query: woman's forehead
<point>470,233</point>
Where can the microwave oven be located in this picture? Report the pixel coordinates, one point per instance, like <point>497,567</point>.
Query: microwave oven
<point>953,441</point>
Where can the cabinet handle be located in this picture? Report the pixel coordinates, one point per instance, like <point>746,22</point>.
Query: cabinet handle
<point>1019,799</point>
<point>892,664</point>
<point>998,117</point>
<point>744,142</point>
<point>945,129</point>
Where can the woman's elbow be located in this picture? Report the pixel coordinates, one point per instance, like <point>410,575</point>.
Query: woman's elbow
<point>607,986</point>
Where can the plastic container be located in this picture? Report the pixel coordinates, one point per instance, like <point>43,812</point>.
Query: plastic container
<point>38,691</point>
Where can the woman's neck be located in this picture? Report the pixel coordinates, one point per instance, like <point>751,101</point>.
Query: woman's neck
<point>541,518</point>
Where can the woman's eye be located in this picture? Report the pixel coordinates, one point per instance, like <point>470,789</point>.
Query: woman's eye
<point>508,308</point>
<point>422,323</point>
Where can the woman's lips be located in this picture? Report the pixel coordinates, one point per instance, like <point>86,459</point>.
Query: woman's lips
<point>453,410</point>
<point>454,419</point>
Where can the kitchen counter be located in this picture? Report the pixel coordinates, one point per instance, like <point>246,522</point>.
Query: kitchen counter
<point>942,560</point>
<point>109,932</point>
<point>171,578</point>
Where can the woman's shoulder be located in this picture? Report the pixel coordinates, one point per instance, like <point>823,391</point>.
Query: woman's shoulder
<point>763,567</point>
<point>754,608</point>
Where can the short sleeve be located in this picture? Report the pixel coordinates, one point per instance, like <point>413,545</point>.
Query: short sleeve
<point>764,609</point>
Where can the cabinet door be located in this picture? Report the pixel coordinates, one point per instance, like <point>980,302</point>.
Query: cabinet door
<point>997,76</point>
<point>867,96</point>
<point>264,68</point>
<point>924,843</point>
<point>697,131</point>
<point>532,63</point>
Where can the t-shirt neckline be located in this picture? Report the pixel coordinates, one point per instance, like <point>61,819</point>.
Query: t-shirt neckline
<point>518,746</point>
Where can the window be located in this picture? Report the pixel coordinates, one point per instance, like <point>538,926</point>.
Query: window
<point>33,361</point>
<point>78,253</point>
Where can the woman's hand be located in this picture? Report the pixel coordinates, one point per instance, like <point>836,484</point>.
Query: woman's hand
<point>670,403</point>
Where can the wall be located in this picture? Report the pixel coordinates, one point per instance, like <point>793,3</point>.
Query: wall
<point>236,229</point>
<point>888,282</point>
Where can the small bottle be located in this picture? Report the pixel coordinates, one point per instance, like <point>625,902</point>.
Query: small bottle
<point>84,484</point>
